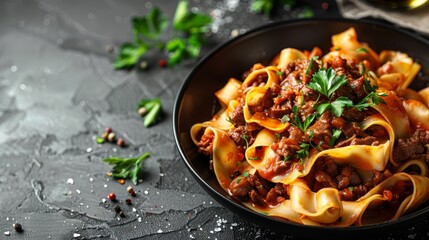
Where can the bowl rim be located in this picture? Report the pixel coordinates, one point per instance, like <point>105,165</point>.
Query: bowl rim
<point>408,218</point>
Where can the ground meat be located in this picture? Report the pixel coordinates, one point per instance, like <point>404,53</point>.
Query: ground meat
<point>352,128</point>
<point>277,194</point>
<point>205,145</point>
<point>323,180</point>
<point>257,199</point>
<point>406,148</point>
<point>321,130</point>
<point>237,116</point>
<point>241,136</point>
<point>240,188</point>
<point>347,177</point>
<point>353,115</point>
<point>368,140</point>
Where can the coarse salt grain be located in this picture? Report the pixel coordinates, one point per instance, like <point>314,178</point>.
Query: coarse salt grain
<point>159,231</point>
<point>76,235</point>
<point>7,233</point>
<point>70,181</point>
<point>78,191</point>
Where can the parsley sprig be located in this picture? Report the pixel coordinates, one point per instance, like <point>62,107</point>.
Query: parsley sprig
<point>187,40</point>
<point>326,82</point>
<point>127,167</point>
<point>303,125</point>
<point>373,97</point>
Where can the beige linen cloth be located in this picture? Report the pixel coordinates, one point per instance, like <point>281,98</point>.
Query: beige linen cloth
<point>417,19</point>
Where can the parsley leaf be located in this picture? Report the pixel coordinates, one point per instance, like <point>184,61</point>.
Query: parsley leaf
<point>373,98</point>
<point>326,82</point>
<point>129,54</point>
<point>246,139</point>
<point>152,111</point>
<point>310,65</point>
<point>304,151</point>
<point>361,50</point>
<point>336,133</point>
<point>303,125</point>
<point>149,27</point>
<point>126,167</point>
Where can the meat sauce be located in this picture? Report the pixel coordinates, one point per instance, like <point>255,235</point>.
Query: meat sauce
<point>279,102</point>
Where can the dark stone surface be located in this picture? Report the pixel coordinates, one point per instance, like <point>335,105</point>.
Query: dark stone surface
<point>58,92</point>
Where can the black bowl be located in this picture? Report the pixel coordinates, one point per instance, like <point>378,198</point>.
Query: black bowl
<point>196,103</point>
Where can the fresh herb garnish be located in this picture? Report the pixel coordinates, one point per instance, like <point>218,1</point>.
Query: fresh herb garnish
<point>373,98</point>
<point>304,151</point>
<point>336,133</point>
<point>126,167</point>
<point>246,174</point>
<point>229,119</point>
<point>285,119</point>
<point>188,32</point>
<point>336,107</point>
<point>152,111</point>
<point>246,139</point>
<point>362,50</point>
<point>279,73</point>
<point>253,158</point>
<point>266,6</point>
<point>297,121</point>
<point>310,65</point>
<point>287,159</point>
<point>326,82</point>
<point>278,136</point>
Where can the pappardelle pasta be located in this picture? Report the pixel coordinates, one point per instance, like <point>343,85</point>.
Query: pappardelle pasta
<point>331,140</point>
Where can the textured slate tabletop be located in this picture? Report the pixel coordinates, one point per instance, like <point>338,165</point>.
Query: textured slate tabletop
<point>58,92</point>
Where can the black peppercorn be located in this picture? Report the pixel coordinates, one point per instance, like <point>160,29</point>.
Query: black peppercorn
<point>17,227</point>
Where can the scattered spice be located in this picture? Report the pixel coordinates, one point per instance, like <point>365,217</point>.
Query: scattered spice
<point>162,63</point>
<point>122,214</point>
<point>104,135</point>
<point>130,190</point>
<point>17,227</point>
<point>111,137</point>
<point>108,130</point>
<point>325,5</point>
<point>120,142</point>
<point>117,208</point>
<point>143,65</point>
<point>111,196</point>
<point>128,201</point>
<point>121,181</point>
<point>142,111</point>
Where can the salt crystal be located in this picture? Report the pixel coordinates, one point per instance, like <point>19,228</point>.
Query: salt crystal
<point>76,235</point>
<point>146,192</point>
<point>134,209</point>
<point>139,219</point>
<point>88,150</point>
<point>159,231</point>
<point>13,68</point>
<point>70,181</point>
<point>7,233</point>
<point>105,185</point>
<point>78,191</point>
<point>91,179</point>
<point>104,200</point>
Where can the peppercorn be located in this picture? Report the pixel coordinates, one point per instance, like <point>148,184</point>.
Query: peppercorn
<point>142,111</point>
<point>17,227</point>
<point>162,63</point>
<point>120,142</point>
<point>117,208</point>
<point>131,191</point>
<point>111,137</point>
<point>108,130</point>
<point>111,196</point>
<point>128,201</point>
<point>104,135</point>
<point>143,65</point>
